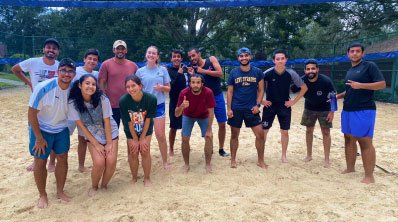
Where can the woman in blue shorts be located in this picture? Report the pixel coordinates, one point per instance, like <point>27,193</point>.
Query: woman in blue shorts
<point>156,81</point>
<point>93,115</point>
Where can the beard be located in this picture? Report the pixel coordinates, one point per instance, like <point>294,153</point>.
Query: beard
<point>312,75</point>
<point>244,64</point>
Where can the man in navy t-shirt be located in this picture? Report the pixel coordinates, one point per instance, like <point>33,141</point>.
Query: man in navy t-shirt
<point>359,110</point>
<point>317,107</point>
<point>244,96</point>
<point>277,102</point>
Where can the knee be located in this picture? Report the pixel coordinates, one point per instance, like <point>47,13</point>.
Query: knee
<point>99,163</point>
<point>285,133</point>
<point>62,159</point>
<point>185,139</point>
<point>326,133</point>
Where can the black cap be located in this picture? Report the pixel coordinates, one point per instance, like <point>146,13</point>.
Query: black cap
<point>67,62</point>
<point>51,40</point>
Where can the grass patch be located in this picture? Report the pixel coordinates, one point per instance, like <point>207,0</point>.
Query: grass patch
<point>5,85</point>
<point>10,76</point>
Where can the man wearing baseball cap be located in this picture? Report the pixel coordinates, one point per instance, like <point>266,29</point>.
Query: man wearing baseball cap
<point>47,115</point>
<point>244,96</point>
<point>40,69</point>
<point>112,74</point>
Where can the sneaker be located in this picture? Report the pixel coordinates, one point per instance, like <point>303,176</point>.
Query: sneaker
<point>223,153</point>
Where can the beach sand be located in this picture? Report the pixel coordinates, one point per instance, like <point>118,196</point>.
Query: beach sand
<point>296,191</point>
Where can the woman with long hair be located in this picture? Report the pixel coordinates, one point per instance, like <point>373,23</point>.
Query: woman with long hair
<point>93,115</point>
<point>137,110</point>
<point>156,81</point>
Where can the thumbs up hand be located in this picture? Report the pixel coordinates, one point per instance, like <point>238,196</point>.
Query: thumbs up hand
<point>185,103</point>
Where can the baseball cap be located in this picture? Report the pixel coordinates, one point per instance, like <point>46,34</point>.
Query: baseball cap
<point>243,50</point>
<point>51,40</point>
<point>67,62</point>
<point>118,43</point>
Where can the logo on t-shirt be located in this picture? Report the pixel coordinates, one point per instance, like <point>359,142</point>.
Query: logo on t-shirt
<point>138,120</point>
<point>319,93</point>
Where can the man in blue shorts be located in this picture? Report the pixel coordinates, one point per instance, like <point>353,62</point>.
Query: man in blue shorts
<point>196,104</point>
<point>211,70</point>
<point>317,107</point>
<point>359,110</point>
<point>277,103</point>
<point>47,115</point>
<point>178,81</point>
<point>244,97</point>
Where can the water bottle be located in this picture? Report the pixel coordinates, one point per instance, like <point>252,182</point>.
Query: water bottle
<point>333,101</point>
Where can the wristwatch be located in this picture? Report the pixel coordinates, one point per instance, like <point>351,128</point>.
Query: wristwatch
<point>259,105</point>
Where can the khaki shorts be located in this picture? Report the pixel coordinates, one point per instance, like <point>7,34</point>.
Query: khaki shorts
<point>309,118</point>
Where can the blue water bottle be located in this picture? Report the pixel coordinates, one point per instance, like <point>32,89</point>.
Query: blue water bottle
<point>333,101</point>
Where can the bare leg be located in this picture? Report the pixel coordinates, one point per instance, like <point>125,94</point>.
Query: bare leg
<point>110,164</point>
<point>61,170</point>
<point>285,142</point>
<point>309,136</point>
<point>327,140</point>
<point>159,124</point>
<point>350,153</point>
<point>185,149</point>
<point>221,139</point>
<point>51,164</point>
<point>368,158</point>
<point>258,132</point>
<point>146,164</point>
<point>234,144</point>
<point>97,170</point>
<point>81,153</point>
<point>133,162</point>
<point>40,174</point>
<point>208,152</point>
<point>31,167</point>
<point>172,138</point>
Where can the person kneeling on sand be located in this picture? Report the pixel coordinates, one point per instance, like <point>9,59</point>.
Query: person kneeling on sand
<point>196,104</point>
<point>47,115</point>
<point>92,112</point>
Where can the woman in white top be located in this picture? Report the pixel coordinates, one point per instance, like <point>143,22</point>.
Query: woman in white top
<point>156,80</point>
<point>92,112</point>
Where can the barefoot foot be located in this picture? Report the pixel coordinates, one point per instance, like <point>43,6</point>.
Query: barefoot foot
<point>51,168</point>
<point>262,165</point>
<point>368,180</point>
<point>307,159</point>
<point>166,166</point>
<point>209,169</point>
<point>63,197</point>
<point>347,171</point>
<point>31,167</point>
<point>147,182</point>
<point>92,191</point>
<point>42,202</point>
<point>185,168</point>
<point>83,169</point>
<point>326,163</point>
<point>284,160</point>
<point>233,164</point>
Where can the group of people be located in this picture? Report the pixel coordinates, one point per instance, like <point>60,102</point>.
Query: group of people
<point>65,96</point>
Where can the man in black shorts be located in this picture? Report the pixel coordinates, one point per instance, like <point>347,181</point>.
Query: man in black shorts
<point>244,96</point>
<point>317,107</point>
<point>277,102</point>
<point>179,77</point>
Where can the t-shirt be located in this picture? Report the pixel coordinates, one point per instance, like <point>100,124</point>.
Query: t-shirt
<point>245,85</point>
<point>80,71</point>
<point>115,74</point>
<point>198,104</point>
<point>38,70</point>
<point>277,86</point>
<point>94,118</point>
<point>52,101</point>
<point>361,99</point>
<point>152,76</point>
<point>178,82</point>
<point>317,95</point>
<point>212,82</point>
<point>137,112</point>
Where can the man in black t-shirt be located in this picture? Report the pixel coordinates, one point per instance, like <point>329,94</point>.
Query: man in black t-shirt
<point>317,107</point>
<point>359,110</point>
<point>277,102</point>
<point>178,81</point>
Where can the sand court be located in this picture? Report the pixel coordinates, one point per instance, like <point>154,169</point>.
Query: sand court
<point>296,191</point>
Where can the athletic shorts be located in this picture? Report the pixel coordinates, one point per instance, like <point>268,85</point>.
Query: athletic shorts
<point>219,111</point>
<point>59,142</point>
<point>250,119</point>
<point>284,116</point>
<point>188,122</point>
<point>161,111</point>
<point>175,122</point>
<point>309,118</point>
<point>116,115</point>
<point>358,123</point>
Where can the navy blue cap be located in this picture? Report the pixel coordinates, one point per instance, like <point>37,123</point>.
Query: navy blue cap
<point>243,50</point>
<point>51,40</point>
<point>67,62</point>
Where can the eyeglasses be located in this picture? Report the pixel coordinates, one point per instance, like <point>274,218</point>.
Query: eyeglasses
<point>69,72</point>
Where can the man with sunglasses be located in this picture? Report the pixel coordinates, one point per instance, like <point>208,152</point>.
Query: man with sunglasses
<point>47,115</point>
<point>317,107</point>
